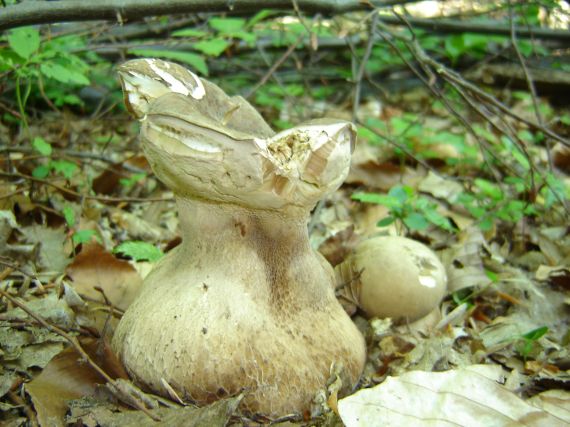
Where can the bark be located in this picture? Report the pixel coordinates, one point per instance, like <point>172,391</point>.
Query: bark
<point>42,12</point>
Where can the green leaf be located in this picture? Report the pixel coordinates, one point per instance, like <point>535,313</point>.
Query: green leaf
<point>63,74</point>
<point>41,172</point>
<point>489,189</point>
<point>454,46</point>
<point>213,47</point>
<point>246,36</point>
<point>192,59</point>
<point>41,146</point>
<point>69,216</point>
<point>260,16</point>
<point>63,167</point>
<point>416,221</point>
<point>139,251</point>
<point>521,158</point>
<point>132,180</point>
<point>535,333</point>
<point>24,41</point>
<point>402,193</point>
<point>380,199</point>
<point>384,222</point>
<point>226,25</point>
<point>84,236</point>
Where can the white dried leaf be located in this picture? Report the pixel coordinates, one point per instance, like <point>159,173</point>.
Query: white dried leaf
<point>466,397</point>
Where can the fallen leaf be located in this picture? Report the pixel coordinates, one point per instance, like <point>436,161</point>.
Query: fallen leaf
<point>53,255</point>
<point>555,402</point>
<point>215,415</point>
<point>95,267</point>
<point>68,376</point>
<point>463,261</point>
<point>464,397</point>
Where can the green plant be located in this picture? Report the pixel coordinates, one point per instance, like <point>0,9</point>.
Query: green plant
<point>47,67</point>
<point>139,251</point>
<point>410,209</point>
<point>527,344</point>
<point>77,236</point>
<point>224,32</point>
<point>64,168</point>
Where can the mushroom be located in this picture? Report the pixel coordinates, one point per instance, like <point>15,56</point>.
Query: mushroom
<point>391,276</point>
<point>243,303</point>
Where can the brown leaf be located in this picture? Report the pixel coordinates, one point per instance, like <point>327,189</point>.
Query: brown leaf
<point>68,376</point>
<point>95,267</point>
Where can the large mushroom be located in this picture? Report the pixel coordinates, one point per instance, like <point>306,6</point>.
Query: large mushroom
<point>244,303</point>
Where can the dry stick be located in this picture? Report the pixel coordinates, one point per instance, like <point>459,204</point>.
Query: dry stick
<point>77,346</point>
<point>530,85</point>
<point>418,53</point>
<point>86,196</point>
<point>449,74</point>
<point>362,69</point>
<point>482,144</point>
<point>44,96</point>
<point>71,153</point>
<point>456,83</point>
<point>275,66</point>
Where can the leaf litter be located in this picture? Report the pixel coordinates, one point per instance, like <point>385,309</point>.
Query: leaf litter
<point>496,352</point>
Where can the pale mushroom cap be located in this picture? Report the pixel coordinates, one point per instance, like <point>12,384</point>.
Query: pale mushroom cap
<point>395,277</point>
<point>221,149</point>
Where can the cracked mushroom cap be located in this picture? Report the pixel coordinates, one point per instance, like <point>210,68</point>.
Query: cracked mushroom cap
<point>202,143</point>
<point>394,277</point>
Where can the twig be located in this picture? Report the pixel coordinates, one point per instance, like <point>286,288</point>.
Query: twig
<point>73,153</point>
<point>86,196</point>
<point>530,85</point>
<point>363,62</point>
<point>275,66</point>
<point>77,346</point>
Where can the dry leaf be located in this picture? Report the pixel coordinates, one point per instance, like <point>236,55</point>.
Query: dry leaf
<point>463,397</point>
<point>95,267</point>
<point>67,377</point>
<point>53,256</point>
<point>555,402</point>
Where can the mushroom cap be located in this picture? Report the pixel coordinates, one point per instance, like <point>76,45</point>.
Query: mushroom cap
<point>202,143</point>
<point>394,277</point>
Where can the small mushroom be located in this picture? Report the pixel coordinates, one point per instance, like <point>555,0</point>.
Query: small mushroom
<point>243,303</point>
<point>395,277</point>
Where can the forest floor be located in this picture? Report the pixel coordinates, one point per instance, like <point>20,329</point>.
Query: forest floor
<point>497,348</point>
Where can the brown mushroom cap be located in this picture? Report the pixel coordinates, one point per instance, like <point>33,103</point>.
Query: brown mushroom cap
<point>394,277</point>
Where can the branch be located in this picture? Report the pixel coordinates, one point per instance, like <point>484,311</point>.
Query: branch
<point>460,26</point>
<point>41,12</point>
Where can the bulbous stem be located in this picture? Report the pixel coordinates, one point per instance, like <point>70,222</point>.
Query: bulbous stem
<point>274,247</point>
<point>203,222</point>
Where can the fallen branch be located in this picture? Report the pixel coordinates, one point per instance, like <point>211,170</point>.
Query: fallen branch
<point>28,13</point>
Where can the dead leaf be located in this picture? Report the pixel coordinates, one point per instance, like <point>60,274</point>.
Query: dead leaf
<point>68,376</point>
<point>467,397</point>
<point>555,402</point>
<point>95,267</point>
<point>53,256</point>
<point>463,261</point>
<point>215,415</point>
<point>558,275</point>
